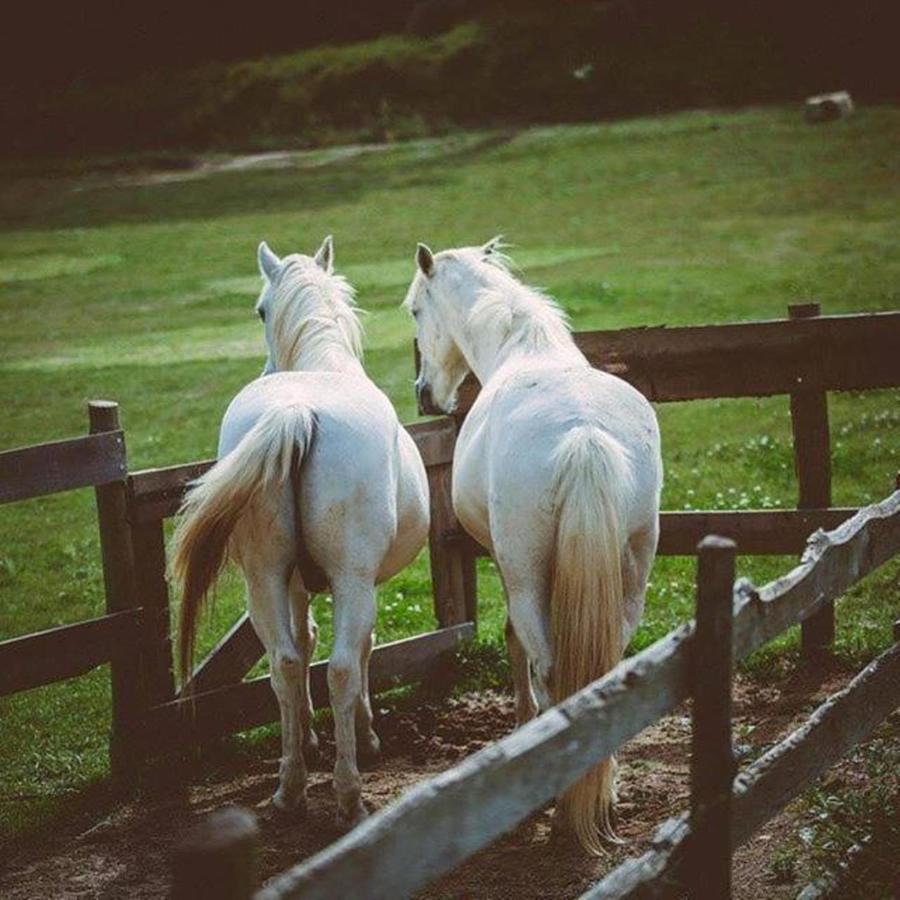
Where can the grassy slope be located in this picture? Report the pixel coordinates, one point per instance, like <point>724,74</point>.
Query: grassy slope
<point>145,295</point>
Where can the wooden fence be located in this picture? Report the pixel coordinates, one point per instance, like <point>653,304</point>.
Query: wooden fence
<point>440,823</point>
<point>803,356</point>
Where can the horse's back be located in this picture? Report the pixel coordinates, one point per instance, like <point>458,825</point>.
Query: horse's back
<point>362,488</point>
<point>509,459</point>
<point>341,403</point>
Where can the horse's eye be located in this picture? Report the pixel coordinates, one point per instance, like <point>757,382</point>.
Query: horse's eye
<point>262,315</point>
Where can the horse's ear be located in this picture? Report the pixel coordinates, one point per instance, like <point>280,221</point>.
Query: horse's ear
<point>425,260</point>
<point>269,263</point>
<point>325,255</point>
<point>494,245</point>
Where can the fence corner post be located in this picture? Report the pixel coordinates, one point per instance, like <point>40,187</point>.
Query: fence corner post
<point>812,462</point>
<point>218,857</point>
<point>712,756</point>
<point>117,555</point>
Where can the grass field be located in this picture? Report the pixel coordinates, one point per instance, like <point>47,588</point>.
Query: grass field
<point>144,292</point>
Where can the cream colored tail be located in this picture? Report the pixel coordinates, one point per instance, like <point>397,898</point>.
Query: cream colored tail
<point>264,457</point>
<point>592,480</point>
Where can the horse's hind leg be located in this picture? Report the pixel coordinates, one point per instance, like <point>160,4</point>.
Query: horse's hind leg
<point>270,613</point>
<point>526,705</point>
<point>368,745</point>
<point>637,561</point>
<point>306,636</point>
<point>354,619</point>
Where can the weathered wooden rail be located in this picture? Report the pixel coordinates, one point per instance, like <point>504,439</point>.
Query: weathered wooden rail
<point>803,356</point>
<point>442,822</point>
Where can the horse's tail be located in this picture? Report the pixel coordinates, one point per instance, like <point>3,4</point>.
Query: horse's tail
<point>586,605</point>
<point>265,456</point>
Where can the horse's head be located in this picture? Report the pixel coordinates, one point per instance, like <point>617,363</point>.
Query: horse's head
<point>440,298</point>
<point>300,288</point>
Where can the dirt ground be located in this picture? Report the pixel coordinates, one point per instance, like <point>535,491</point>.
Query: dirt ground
<point>126,854</point>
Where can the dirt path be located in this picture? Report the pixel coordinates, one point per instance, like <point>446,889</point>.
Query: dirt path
<point>127,854</point>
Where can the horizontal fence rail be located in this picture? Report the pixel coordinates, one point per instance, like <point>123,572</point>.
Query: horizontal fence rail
<point>64,652</point>
<point>760,532</point>
<point>442,822</point>
<point>88,461</point>
<point>753,359</point>
<point>237,707</point>
<point>765,787</point>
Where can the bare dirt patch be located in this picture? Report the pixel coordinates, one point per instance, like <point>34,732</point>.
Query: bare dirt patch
<point>126,853</point>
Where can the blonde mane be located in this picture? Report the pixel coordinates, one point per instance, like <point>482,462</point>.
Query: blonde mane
<point>315,315</point>
<point>515,315</point>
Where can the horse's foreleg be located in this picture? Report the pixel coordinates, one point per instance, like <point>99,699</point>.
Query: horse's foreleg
<point>306,635</point>
<point>526,705</point>
<point>354,619</point>
<point>271,617</point>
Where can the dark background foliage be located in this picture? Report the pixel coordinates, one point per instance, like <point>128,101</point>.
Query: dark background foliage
<point>106,76</point>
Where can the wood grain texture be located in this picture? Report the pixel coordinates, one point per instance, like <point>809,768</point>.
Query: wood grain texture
<point>712,757</point>
<point>62,466</point>
<point>149,544</point>
<point>756,532</point>
<point>237,707</point>
<point>448,557</point>
<point>119,579</point>
<point>764,788</point>
<point>656,873</point>
<point>812,465</point>
<point>58,653</point>
<point>441,822</point>
<point>838,725</point>
<point>854,352</point>
<point>833,562</point>
<point>229,661</point>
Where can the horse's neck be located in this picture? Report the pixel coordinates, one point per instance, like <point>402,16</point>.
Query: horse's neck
<point>488,360</point>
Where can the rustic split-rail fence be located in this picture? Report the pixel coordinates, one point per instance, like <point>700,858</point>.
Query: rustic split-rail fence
<point>803,357</point>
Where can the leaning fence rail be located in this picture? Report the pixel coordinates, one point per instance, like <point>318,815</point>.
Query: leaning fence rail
<point>442,822</point>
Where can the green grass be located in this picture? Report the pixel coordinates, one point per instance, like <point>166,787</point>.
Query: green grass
<point>145,294</point>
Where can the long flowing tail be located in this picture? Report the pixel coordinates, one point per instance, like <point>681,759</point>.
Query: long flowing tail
<point>592,480</point>
<point>264,457</point>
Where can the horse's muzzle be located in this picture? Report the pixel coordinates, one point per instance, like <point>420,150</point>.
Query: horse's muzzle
<point>427,406</point>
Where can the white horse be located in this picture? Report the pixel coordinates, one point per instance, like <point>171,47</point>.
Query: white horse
<point>556,471</point>
<point>317,487</point>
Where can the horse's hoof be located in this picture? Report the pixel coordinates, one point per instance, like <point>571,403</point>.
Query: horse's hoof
<point>347,820</point>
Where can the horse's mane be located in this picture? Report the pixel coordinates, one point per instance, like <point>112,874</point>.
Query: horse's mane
<point>315,313</point>
<point>514,313</point>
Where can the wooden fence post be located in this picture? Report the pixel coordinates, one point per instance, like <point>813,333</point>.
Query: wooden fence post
<point>812,463</point>
<point>119,582</point>
<point>451,581</point>
<point>218,858</point>
<point>149,547</point>
<point>712,758</point>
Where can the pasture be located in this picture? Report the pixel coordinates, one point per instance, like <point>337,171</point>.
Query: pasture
<point>141,289</point>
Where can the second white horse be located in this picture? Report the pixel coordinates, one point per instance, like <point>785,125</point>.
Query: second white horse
<point>556,471</point>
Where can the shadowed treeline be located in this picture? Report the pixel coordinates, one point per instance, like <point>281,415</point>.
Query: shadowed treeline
<point>101,78</point>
